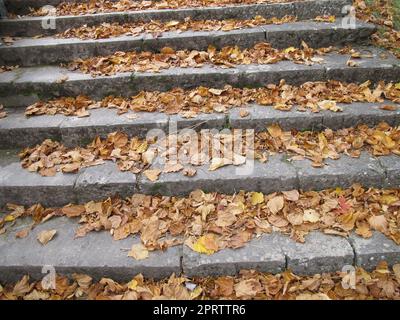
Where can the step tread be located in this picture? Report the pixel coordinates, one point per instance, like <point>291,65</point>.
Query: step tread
<point>51,50</point>
<point>17,130</point>
<point>42,81</point>
<point>289,26</point>
<point>99,256</point>
<point>303,10</point>
<point>277,174</point>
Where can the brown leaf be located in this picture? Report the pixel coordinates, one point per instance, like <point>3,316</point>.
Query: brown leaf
<point>73,211</point>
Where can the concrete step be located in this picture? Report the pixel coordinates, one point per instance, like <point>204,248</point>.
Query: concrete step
<point>18,185</point>
<point>17,130</point>
<point>32,26</point>
<point>30,51</point>
<point>99,256</point>
<point>24,86</point>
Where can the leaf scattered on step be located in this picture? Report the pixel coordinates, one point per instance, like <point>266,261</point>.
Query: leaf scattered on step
<point>152,174</point>
<point>45,236</point>
<point>138,252</point>
<point>206,244</point>
<point>23,233</point>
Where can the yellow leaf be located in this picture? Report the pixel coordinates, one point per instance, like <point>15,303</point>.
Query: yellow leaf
<point>290,49</point>
<point>257,198</point>
<point>397,85</point>
<point>132,284</point>
<point>206,244</point>
<point>339,191</point>
<point>196,292</point>
<point>388,199</point>
<point>9,218</point>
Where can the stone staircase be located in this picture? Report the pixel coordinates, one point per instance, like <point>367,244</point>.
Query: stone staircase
<point>38,78</point>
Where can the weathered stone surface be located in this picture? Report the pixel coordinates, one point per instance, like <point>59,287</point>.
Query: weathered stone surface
<point>103,181</point>
<point>200,40</point>
<point>20,186</point>
<point>391,166</point>
<point>263,254</point>
<point>274,175</point>
<point>262,116</point>
<point>17,130</point>
<point>340,173</point>
<point>201,121</point>
<point>375,68</point>
<point>31,26</point>
<point>30,52</point>
<point>306,9</point>
<point>320,253</point>
<point>369,252</point>
<point>96,254</point>
<point>43,80</point>
<point>316,34</point>
<point>101,122</point>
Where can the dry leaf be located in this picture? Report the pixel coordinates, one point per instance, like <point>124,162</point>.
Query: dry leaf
<point>45,236</point>
<point>152,175</point>
<point>138,252</point>
<point>275,204</point>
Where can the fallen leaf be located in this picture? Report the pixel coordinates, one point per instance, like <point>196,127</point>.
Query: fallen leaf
<point>257,198</point>
<point>311,215</point>
<point>45,236</point>
<point>378,223</point>
<point>206,244</point>
<point>138,252</point>
<point>152,175</point>
<point>275,204</point>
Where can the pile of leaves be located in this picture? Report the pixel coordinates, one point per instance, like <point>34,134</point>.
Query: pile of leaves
<point>227,57</point>
<point>155,27</point>
<point>382,283</point>
<point>315,96</point>
<point>99,6</point>
<point>382,13</point>
<point>179,152</point>
<point>209,222</point>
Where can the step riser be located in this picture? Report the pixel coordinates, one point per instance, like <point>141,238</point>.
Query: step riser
<point>28,27</point>
<point>18,185</point>
<point>16,88</point>
<point>18,131</point>
<point>52,51</point>
<point>22,6</point>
